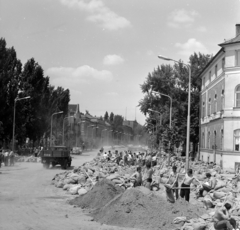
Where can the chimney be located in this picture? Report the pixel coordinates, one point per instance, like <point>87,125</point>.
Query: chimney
<point>237,29</point>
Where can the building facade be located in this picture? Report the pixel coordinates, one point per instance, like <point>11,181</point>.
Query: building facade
<point>220,106</point>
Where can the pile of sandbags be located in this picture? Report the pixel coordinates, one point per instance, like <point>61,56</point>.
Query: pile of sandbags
<point>88,174</point>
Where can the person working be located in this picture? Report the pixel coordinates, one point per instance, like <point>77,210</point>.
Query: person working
<point>222,218</point>
<point>208,185</point>
<point>173,180</point>
<point>185,187</point>
<point>137,176</point>
<point>147,174</point>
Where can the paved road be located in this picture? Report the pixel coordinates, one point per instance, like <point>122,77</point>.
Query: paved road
<point>28,201</point>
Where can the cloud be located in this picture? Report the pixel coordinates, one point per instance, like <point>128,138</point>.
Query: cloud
<point>111,94</point>
<point>182,18</point>
<point>112,60</point>
<point>99,13</point>
<point>191,46</point>
<point>72,78</point>
<point>202,29</point>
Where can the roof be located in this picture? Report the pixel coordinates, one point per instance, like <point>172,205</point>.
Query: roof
<point>231,41</point>
<point>211,61</point>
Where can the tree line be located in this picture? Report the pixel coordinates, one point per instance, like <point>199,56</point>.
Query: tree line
<point>33,116</point>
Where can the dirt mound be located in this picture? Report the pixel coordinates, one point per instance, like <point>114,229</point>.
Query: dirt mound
<point>140,210</point>
<point>103,192</point>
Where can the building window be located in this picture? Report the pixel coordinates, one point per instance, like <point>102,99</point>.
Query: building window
<point>237,57</point>
<point>209,106</point>
<point>203,82</point>
<point>215,103</point>
<point>203,140</point>
<point>216,67</point>
<point>237,140</point>
<point>222,99</point>
<point>209,138</point>
<point>223,64</point>
<point>203,109</point>
<point>210,73</point>
<point>222,137</point>
<point>237,93</point>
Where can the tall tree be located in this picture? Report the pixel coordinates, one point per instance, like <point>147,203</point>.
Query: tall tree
<point>111,117</point>
<point>173,81</point>
<point>106,116</point>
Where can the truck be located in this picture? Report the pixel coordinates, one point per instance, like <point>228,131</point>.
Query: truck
<point>56,155</point>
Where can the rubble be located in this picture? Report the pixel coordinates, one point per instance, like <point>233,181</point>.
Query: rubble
<point>105,187</point>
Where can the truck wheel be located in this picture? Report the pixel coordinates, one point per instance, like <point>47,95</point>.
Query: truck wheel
<point>64,164</point>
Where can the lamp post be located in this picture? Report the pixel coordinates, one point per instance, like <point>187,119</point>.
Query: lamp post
<point>170,113</point>
<point>189,103</point>
<point>51,124</point>
<point>63,128</point>
<point>14,117</point>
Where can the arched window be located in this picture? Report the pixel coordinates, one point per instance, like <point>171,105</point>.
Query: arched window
<point>237,93</point>
<point>237,140</point>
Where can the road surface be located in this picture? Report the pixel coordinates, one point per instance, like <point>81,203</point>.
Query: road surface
<point>28,200</point>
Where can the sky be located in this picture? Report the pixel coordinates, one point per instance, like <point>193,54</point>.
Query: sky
<point>103,50</point>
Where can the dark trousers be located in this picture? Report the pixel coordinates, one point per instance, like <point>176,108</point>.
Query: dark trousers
<point>185,192</point>
<point>175,190</point>
<point>204,188</point>
<point>225,224</point>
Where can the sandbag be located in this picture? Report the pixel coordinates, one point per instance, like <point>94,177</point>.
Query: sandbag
<point>199,226</point>
<point>113,176</point>
<point>82,179</point>
<point>74,189</point>
<point>218,195</point>
<point>60,184</point>
<point>69,181</point>
<point>220,184</point>
<point>169,193</point>
<point>67,186</point>
<point>82,191</point>
<point>178,220</point>
<point>117,181</point>
<point>208,203</point>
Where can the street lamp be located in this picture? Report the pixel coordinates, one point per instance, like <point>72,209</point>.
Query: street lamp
<point>14,115</point>
<point>63,128</point>
<point>189,103</point>
<point>170,113</point>
<point>51,124</point>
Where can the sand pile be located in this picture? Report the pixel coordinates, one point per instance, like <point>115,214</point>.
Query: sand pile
<point>135,208</point>
<point>103,192</point>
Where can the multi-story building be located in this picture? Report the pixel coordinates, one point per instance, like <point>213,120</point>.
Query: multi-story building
<point>220,106</point>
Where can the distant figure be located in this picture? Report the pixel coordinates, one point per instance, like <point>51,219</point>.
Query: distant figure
<point>11,157</point>
<point>6,158</point>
